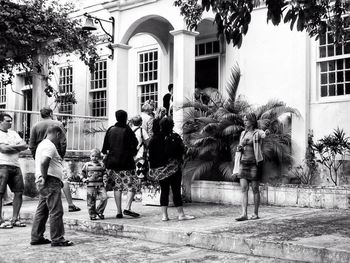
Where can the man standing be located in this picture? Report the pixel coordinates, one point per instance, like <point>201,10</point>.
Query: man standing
<point>120,145</point>
<point>49,174</point>
<point>38,133</point>
<point>167,100</point>
<point>11,144</point>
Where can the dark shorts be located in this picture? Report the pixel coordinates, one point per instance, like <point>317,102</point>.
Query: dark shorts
<point>11,176</point>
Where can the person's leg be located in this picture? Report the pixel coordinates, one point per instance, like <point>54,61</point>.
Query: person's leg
<point>256,192</point>
<point>244,199</point>
<point>16,185</point>
<point>102,196</point>
<point>68,195</point>
<point>54,204</point>
<point>91,201</point>
<point>118,202</point>
<point>3,186</point>
<point>132,189</point>
<point>40,219</point>
<point>164,197</point>
<point>17,204</point>
<point>1,196</point>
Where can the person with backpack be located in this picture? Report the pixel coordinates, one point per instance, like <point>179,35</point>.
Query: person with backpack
<point>141,161</point>
<point>166,151</point>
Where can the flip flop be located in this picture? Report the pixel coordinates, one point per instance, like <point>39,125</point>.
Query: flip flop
<point>186,217</point>
<point>254,217</point>
<point>18,223</point>
<point>5,225</point>
<point>164,219</point>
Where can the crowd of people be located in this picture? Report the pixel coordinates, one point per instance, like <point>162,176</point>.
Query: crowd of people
<point>146,147</point>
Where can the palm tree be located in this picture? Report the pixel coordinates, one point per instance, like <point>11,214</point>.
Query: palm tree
<point>212,130</point>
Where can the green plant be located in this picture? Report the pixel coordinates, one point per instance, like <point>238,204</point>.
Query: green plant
<point>331,150</point>
<point>211,131</point>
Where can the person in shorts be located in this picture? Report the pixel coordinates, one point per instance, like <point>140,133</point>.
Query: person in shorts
<point>120,147</point>
<point>11,144</point>
<point>93,174</point>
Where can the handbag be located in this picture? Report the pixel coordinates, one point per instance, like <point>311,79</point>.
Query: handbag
<point>163,172</point>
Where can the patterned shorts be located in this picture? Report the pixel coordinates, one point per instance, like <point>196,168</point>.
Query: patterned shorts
<point>124,180</point>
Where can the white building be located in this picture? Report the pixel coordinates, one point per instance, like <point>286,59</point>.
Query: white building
<point>152,48</point>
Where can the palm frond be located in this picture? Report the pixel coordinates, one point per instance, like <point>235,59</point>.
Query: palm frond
<point>232,84</point>
<point>196,168</point>
<point>226,169</point>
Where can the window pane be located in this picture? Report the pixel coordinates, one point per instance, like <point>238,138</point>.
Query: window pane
<point>340,89</point>
<point>331,90</point>
<point>323,52</point>
<point>340,77</point>
<point>323,78</point>
<point>347,88</point>
<point>330,50</point>
<point>331,77</point>
<point>347,75</point>
<point>340,63</point>
<point>331,65</point>
<point>323,66</point>
<point>323,91</point>
<point>322,39</point>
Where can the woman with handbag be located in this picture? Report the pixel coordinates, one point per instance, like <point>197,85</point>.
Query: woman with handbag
<point>166,150</point>
<point>248,163</point>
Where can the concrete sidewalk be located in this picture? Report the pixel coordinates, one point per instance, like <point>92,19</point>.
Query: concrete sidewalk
<point>289,233</point>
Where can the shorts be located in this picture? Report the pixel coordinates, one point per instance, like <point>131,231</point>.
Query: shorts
<point>12,176</point>
<point>124,180</point>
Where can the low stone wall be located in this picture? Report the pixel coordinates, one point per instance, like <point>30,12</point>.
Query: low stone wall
<point>284,195</point>
<point>73,162</point>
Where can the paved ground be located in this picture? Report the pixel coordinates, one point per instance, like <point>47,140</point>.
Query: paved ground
<point>14,247</point>
<point>291,233</point>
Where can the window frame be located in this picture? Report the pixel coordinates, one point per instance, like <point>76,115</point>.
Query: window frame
<point>139,83</point>
<point>64,94</point>
<point>94,91</point>
<point>335,58</point>
<point>3,95</point>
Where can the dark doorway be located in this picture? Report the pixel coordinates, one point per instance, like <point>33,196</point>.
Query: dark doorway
<point>207,73</point>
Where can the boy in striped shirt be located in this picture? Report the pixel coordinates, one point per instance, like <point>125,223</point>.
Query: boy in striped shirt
<point>93,173</point>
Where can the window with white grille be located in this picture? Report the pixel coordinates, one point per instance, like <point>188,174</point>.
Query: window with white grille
<point>2,96</point>
<point>66,90</point>
<point>98,89</point>
<point>334,66</point>
<point>207,48</point>
<point>148,77</point>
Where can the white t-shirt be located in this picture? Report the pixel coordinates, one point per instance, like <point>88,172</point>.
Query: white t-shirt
<point>12,138</point>
<point>139,139</point>
<point>47,149</point>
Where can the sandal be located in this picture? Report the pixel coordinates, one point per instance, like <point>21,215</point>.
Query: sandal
<point>101,216</point>
<point>164,219</point>
<point>186,217</point>
<point>254,217</point>
<point>5,225</point>
<point>73,208</point>
<point>18,223</point>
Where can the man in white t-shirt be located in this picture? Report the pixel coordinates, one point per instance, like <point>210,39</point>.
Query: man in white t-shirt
<point>49,174</point>
<point>11,144</point>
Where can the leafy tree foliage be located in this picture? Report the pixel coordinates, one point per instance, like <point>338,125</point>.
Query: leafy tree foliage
<point>29,28</point>
<point>233,17</point>
<point>212,129</point>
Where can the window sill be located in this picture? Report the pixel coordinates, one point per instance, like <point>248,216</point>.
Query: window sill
<point>335,99</point>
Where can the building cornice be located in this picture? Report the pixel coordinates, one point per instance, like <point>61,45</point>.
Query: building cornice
<point>122,5</point>
<point>185,32</point>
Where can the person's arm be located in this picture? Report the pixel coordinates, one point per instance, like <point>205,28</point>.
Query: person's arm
<point>62,142</point>
<point>44,166</point>
<point>22,146</point>
<point>263,134</point>
<point>5,148</point>
<point>32,141</point>
<point>83,175</point>
<point>106,146</point>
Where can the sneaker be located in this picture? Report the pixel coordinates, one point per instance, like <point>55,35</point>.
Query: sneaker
<point>73,208</point>
<point>65,243</point>
<point>42,241</point>
<point>130,213</point>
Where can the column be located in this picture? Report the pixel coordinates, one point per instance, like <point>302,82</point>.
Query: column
<point>117,95</point>
<point>184,73</point>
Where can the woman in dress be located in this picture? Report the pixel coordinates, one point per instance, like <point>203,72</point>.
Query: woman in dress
<point>250,163</point>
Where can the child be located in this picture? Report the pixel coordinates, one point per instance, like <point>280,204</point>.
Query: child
<point>93,173</point>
